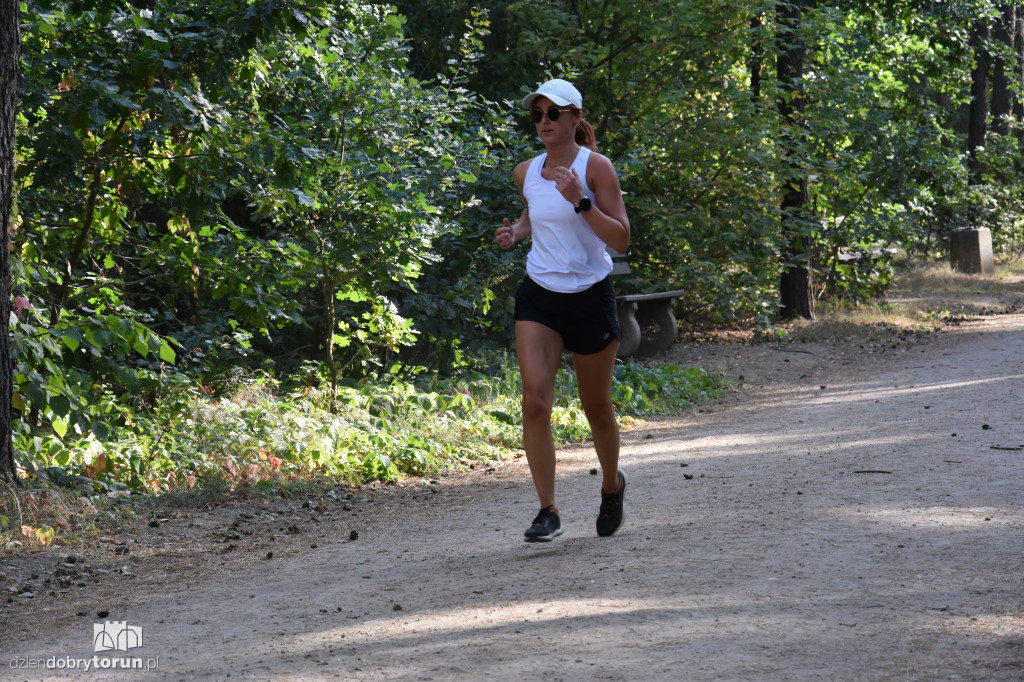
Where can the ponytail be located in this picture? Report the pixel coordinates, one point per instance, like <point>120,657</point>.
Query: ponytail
<point>585,135</point>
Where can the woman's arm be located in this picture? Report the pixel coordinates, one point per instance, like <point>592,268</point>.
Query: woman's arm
<point>508,234</point>
<point>607,217</point>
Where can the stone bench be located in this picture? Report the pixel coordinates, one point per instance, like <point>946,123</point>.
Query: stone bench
<point>647,321</point>
<point>845,257</point>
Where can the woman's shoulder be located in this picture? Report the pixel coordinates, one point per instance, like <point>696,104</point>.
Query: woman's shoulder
<point>523,166</point>
<point>519,174</point>
<point>598,159</point>
<point>600,165</point>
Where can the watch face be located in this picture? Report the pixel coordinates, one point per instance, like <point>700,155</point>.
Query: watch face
<point>584,205</point>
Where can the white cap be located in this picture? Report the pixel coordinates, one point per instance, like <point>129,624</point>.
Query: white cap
<point>561,92</point>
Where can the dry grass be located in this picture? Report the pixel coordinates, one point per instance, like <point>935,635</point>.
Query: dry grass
<point>33,518</point>
<point>941,278</point>
<point>938,290</point>
<point>925,296</point>
<point>46,514</point>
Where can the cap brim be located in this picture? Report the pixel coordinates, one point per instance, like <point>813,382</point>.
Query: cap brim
<point>532,97</point>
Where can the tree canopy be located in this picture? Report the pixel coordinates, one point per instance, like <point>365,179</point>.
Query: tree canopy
<point>308,190</point>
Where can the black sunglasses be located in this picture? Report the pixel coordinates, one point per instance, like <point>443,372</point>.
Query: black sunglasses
<point>553,113</point>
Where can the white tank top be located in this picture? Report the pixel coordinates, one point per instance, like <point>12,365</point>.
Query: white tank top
<point>566,255</point>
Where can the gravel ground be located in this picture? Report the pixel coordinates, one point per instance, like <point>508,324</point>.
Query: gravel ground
<point>854,513</point>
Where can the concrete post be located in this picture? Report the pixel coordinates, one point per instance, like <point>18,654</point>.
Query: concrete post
<point>970,250</point>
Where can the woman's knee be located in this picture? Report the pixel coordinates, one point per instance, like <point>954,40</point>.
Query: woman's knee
<point>537,404</point>
<point>598,409</point>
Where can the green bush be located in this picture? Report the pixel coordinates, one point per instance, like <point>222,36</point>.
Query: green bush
<point>263,438</point>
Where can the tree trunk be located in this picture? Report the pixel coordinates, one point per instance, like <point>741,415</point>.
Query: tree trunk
<point>1002,94</point>
<point>1017,71</point>
<point>795,296</point>
<point>10,48</point>
<point>977,124</point>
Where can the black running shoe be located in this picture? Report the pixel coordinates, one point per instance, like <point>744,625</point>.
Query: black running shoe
<point>546,527</point>
<point>610,517</point>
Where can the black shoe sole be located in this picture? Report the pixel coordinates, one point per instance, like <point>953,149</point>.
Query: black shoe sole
<point>543,538</point>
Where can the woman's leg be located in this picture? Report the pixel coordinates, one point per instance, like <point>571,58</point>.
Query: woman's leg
<point>539,350</point>
<point>594,378</point>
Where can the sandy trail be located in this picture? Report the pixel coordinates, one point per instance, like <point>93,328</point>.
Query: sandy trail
<point>849,516</point>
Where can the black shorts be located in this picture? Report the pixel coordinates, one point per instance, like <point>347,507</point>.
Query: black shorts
<point>587,321</point>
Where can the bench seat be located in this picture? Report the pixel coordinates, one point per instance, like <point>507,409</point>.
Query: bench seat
<point>647,321</point>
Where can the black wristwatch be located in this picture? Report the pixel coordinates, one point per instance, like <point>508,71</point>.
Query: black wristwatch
<point>584,205</point>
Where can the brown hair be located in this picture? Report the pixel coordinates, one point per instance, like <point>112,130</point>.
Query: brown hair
<point>585,132</point>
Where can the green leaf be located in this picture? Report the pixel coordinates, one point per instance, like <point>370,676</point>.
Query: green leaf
<point>45,26</point>
<point>177,223</point>
<point>140,346</point>
<point>154,35</point>
<point>35,393</point>
<point>167,353</point>
<point>60,405</point>
<point>72,338</point>
<point>101,430</point>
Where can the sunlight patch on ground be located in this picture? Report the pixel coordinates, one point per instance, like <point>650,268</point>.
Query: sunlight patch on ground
<point>791,441</point>
<point>947,518</point>
<point>894,392</point>
<point>515,617</point>
<point>1011,625</point>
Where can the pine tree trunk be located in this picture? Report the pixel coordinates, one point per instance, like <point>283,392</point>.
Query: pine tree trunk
<point>10,48</point>
<point>1017,72</point>
<point>795,291</point>
<point>1002,94</point>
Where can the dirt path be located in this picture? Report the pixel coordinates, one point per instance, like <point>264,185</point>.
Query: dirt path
<point>855,514</point>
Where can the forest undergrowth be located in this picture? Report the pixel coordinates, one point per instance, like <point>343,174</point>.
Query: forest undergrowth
<point>193,450</point>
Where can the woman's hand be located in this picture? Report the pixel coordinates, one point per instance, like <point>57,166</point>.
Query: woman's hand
<point>505,235</point>
<point>568,184</point>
